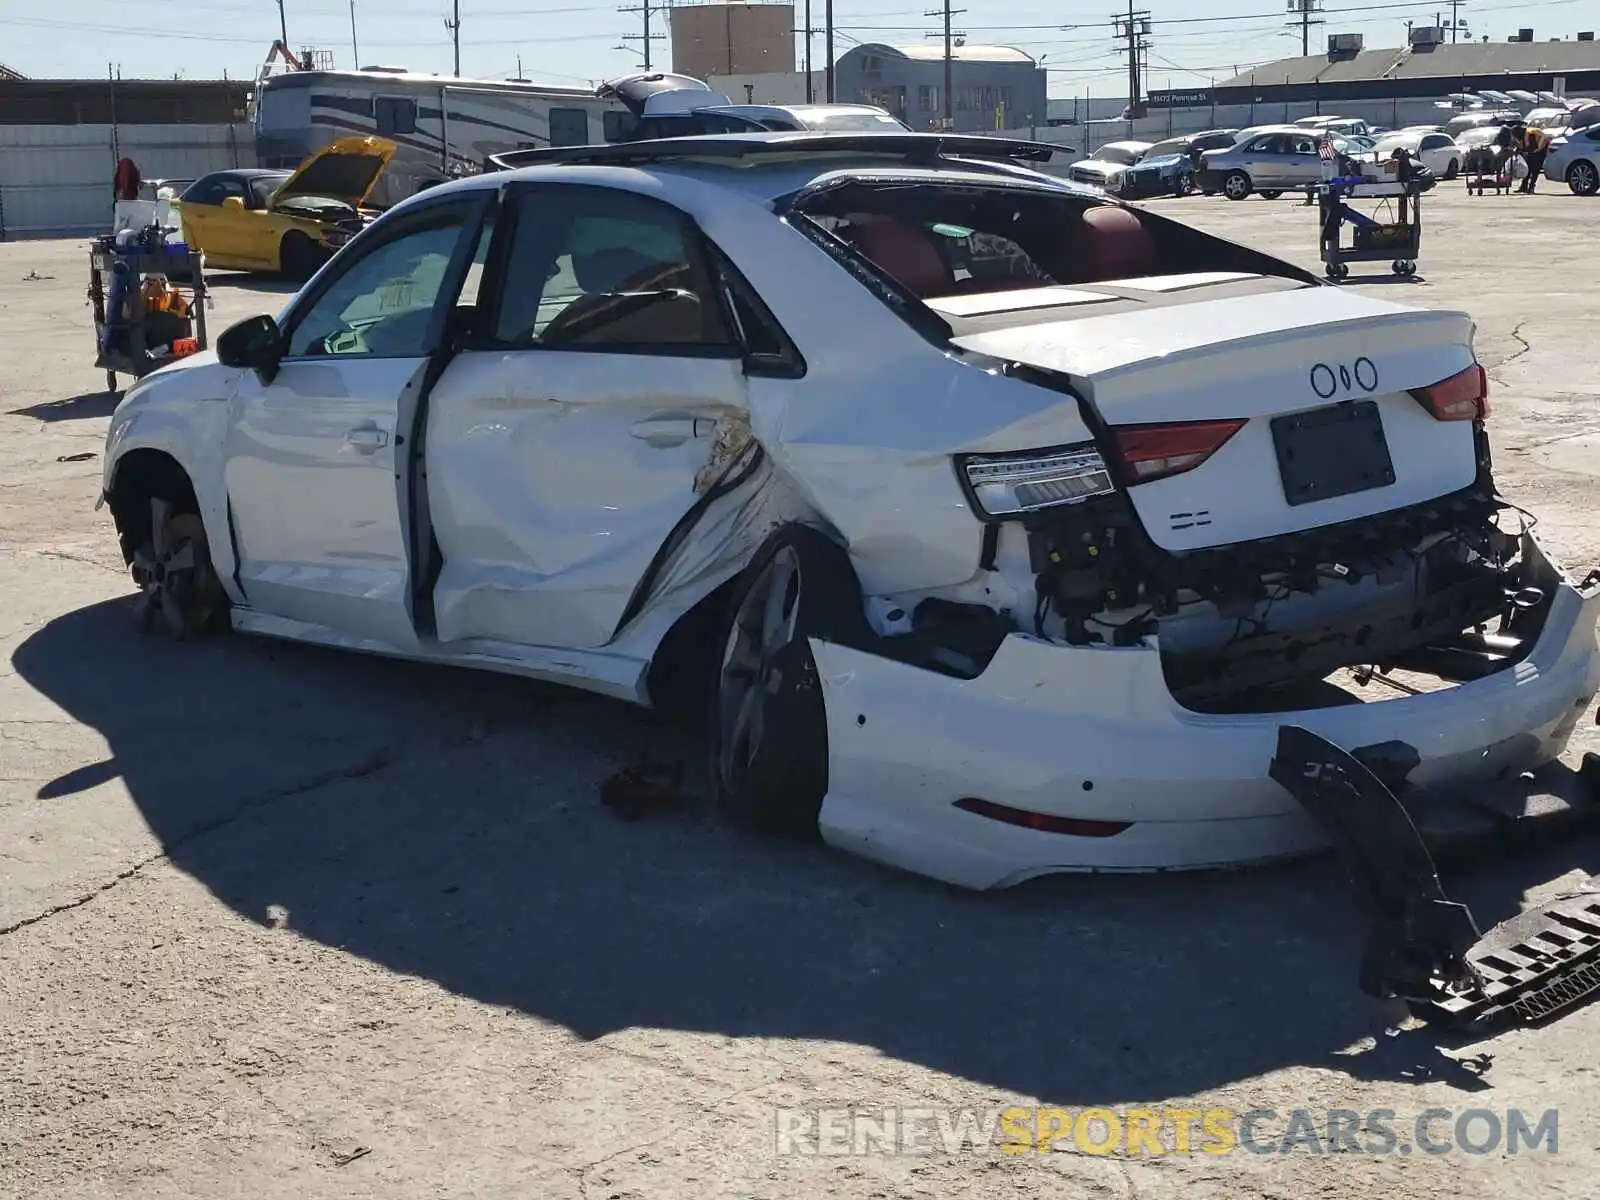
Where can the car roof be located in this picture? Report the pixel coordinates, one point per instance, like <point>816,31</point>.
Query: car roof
<point>764,167</point>
<point>244,173</point>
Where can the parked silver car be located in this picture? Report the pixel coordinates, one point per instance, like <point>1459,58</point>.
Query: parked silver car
<point>1271,161</point>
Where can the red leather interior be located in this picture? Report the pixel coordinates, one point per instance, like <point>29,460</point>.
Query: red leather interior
<point>1117,245</point>
<point>906,253</point>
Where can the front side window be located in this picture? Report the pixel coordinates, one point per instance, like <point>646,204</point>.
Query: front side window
<point>213,189</point>
<point>591,268</point>
<point>382,305</point>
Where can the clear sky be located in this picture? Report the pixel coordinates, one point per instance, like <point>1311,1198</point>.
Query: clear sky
<point>565,41</point>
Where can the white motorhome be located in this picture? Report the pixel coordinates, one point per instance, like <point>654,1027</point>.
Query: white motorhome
<point>445,126</point>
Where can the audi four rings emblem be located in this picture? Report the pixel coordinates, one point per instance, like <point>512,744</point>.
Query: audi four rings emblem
<point>1327,381</point>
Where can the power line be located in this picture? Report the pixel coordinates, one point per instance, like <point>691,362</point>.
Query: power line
<point>645,8</point>
<point>455,33</point>
<point>1308,14</point>
<point>949,72</point>
<point>1134,31</point>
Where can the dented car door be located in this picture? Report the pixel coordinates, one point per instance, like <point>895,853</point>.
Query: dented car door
<point>566,442</point>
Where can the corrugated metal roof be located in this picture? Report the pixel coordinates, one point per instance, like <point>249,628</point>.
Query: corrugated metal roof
<point>10,72</point>
<point>934,52</point>
<point>1462,59</point>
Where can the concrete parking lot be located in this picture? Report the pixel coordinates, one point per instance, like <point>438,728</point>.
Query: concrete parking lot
<point>281,922</point>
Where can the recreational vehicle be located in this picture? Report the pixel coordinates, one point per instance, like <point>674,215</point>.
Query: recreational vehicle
<point>444,126</point>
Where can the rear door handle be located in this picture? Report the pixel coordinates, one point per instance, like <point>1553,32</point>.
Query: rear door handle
<point>368,439</point>
<point>672,431</point>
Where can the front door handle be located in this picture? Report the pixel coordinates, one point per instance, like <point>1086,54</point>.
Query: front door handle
<point>368,439</point>
<point>672,431</point>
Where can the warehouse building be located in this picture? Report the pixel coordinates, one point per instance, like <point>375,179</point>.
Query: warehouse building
<point>1392,87</point>
<point>992,87</point>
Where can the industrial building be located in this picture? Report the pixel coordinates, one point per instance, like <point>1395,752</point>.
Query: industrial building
<point>1392,86</point>
<point>992,87</point>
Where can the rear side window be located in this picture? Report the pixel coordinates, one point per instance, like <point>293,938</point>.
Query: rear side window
<point>394,115</point>
<point>590,268</point>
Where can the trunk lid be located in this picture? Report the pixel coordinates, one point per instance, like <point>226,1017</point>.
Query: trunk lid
<point>1337,367</point>
<point>344,170</point>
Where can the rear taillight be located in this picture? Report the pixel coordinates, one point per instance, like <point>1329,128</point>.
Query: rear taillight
<point>1462,397</point>
<point>1157,451</point>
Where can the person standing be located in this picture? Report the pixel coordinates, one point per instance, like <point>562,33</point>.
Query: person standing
<point>1537,147</point>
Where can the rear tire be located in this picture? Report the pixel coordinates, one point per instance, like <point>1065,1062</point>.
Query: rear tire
<point>298,256</point>
<point>1453,169</point>
<point>1237,186</point>
<point>1583,178</point>
<point>1271,195</point>
<point>769,727</point>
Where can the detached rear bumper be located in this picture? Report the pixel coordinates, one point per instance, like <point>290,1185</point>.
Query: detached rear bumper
<point>1094,735</point>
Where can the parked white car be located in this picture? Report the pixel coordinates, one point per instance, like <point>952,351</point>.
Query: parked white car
<point>1109,160</point>
<point>1000,527</point>
<point>1437,151</point>
<point>1574,160</point>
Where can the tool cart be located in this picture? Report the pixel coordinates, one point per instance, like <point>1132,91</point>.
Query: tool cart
<point>142,320</point>
<point>1371,240</point>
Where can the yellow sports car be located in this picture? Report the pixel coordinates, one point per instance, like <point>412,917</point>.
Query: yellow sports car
<point>289,222</point>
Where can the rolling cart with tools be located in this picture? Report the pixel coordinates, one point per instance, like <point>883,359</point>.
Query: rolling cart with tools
<point>142,321</point>
<point>1371,240</point>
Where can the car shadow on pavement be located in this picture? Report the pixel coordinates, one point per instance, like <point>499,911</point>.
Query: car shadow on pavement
<point>89,406</point>
<point>447,824</point>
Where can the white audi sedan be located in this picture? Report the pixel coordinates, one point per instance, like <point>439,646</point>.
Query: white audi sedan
<point>998,527</point>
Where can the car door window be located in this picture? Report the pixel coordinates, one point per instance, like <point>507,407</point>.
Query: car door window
<point>382,305</point>
<point>1265,144</point>
<point>594,268</point>
<point>1302,145</point>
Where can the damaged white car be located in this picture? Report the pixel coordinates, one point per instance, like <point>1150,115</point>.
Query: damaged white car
<point>1000,527</point>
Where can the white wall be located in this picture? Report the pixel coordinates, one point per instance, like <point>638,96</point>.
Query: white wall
<point>55,180</point>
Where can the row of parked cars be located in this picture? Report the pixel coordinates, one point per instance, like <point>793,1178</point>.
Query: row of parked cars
<point>1271,159</point>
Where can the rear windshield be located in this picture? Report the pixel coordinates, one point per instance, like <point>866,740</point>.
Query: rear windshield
<point>944,240</point>
<point>854,122</point>
<point>1122,156</point>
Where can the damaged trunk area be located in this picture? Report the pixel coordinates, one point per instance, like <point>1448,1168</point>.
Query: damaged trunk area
<point>1413,600</point>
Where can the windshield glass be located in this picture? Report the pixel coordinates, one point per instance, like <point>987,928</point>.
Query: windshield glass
<point>854,121</point>
<point>1121,156</point>
<point>262,187</point>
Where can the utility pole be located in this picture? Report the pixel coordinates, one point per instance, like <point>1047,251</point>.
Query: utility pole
<point>1307,13</point>
<point>1133,31</point>
<point>647,8</point>
<point>1456,23</point>
<point>827,50</point>
<point>454,26</point>
<point>949,35</point>
<point>808,31</point>
<point>355,50</point>
<point>283,26</point>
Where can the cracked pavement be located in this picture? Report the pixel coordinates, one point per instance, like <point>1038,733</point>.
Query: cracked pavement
<point>276,921</point>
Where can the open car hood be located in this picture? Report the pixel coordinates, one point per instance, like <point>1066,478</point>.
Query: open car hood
<point>343,170</point>
<point>660,92</point>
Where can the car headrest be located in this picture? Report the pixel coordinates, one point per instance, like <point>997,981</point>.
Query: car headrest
<point>905,252</point>
<point>1118,244</point>
<point>611,269</point>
